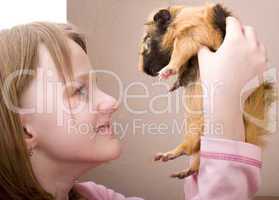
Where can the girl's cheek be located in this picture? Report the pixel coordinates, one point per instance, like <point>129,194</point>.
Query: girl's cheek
<point>85,120</point>
<point>78,104</point>
<point>83,108</point>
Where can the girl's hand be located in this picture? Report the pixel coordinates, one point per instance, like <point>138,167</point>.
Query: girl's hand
<point>224,73</point>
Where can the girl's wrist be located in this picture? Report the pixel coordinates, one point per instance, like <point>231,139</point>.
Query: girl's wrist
<point>225,121</point>
<point>226,127</point>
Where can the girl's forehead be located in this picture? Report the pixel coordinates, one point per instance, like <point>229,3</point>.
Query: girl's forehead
<point>44,58</point>
<point>80,63</point>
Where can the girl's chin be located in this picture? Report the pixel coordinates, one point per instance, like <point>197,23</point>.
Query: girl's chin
<point>112,149</point>
<point>117,149</point>
<point>112,152</point>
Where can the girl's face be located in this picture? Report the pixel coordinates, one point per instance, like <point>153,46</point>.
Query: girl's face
<point>86,134</point>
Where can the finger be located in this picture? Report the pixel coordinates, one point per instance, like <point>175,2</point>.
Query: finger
<point>251,35</point>
<point>234,28</point>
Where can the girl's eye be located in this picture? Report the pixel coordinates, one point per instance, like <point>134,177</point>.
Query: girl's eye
<point>82,91</point>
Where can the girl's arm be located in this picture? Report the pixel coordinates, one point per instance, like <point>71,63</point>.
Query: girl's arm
<point>229,168</point>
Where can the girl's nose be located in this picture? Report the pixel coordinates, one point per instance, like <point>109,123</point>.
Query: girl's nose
<point>107,103</point>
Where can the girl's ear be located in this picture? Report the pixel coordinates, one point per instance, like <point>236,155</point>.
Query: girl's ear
<point>30,136</point>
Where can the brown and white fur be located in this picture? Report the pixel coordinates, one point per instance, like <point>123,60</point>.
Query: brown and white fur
<point>170,44</point>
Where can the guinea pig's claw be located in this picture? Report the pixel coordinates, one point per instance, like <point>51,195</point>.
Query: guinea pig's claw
<point>164,157</point>
<point>183,174</point>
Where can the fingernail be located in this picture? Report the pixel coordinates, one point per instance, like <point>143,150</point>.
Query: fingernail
<point>230,18</point>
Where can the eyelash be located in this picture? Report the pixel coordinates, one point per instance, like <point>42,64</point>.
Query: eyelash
<point>79,89</point>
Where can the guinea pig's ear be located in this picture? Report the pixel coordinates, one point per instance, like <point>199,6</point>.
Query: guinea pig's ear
<point>162,17</point>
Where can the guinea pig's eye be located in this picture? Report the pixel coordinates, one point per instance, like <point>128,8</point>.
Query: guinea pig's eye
<point>147,45</point>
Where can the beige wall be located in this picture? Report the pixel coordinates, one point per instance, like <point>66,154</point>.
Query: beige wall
<point>114,28</point>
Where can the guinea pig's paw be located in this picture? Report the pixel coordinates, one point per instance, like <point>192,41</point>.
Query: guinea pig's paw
<point>166,72</point>
<point>165,156</point>
<point>183,174</point>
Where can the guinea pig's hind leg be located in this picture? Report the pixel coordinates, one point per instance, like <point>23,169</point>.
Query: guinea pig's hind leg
<point>192,169</point>
<point>184,48</point>
<point>170,155</point>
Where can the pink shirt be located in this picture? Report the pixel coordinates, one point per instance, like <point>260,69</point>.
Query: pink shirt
<point>229,170</point>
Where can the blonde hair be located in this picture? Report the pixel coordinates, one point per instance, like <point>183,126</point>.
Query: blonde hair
<point>19,52</point>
